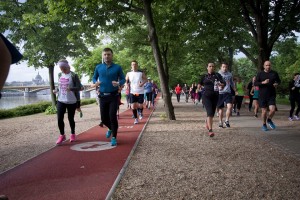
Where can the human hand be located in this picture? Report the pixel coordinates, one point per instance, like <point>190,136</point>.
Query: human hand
<point>115,83</point>
<point>266,81</point>
<point>95,84</point>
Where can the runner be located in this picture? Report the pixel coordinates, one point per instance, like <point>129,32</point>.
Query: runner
<point>211,81</point>
<point>110,76</point>
<point>137,79</point>
<point>225,96</point>
<point>186,90</point>
<point>267,80</point>
<point>68,89</point>
<point>178,91</point>
<point>239,96</point>
<point>255,95</point>
<point>294,97</point>
<point>148,87</point>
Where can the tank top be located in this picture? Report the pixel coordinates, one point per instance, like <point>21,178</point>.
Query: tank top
<point>135,79</point>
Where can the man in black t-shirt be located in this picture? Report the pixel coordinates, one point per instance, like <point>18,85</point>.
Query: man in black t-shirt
<point>267,80</point>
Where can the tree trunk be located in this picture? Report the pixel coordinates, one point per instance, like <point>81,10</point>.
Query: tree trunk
<point>159,64</point>
<point>51,82</point>
<point>231,54</point>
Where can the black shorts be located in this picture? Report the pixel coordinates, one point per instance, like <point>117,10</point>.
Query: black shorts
<point>224,98</point>
<point>137,98</point>
<point>266,102</point>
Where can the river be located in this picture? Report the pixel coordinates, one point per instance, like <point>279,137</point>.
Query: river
<point>12,102</point>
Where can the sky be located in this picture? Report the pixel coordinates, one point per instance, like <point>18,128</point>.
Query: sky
<point>22,72</point>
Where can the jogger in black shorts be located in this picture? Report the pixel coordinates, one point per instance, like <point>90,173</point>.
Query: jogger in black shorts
<point>211,83</point>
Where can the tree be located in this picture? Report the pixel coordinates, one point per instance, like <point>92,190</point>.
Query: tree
<point>268,21</point>
<point>111,16</point>
<point>45,38</point>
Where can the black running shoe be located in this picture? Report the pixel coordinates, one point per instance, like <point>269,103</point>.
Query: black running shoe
<point>227,124</point>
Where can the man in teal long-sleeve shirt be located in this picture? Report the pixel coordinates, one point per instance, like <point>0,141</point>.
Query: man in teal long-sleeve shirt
<point>109,76</point>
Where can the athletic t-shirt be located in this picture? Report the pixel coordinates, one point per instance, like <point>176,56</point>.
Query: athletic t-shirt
<point>135,79</point>
<point>64,95</point>
<point>240,89</point>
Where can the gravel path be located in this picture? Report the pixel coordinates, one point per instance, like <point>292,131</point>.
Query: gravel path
<point>176,159</point>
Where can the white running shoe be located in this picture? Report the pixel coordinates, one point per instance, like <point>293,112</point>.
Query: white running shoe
<point>136,121</point>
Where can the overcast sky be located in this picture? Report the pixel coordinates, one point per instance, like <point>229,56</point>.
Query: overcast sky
<point>22,72</point>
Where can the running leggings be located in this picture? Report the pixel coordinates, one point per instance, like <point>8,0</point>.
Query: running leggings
<point>239,101</point>
<point>108,110</point>
<point>61,110</point>
<point>293,101</point>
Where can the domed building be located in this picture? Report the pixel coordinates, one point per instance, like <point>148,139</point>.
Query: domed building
<point>38,80</point>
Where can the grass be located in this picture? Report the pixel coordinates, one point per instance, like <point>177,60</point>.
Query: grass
<point>34,109</point>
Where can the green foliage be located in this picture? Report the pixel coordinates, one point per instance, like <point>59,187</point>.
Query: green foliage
<point>87,101</point>
<point>50,110</point>
<point>35,108</point>
<point>24,110</point>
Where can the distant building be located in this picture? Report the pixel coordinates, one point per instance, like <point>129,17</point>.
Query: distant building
<point>38,80</point>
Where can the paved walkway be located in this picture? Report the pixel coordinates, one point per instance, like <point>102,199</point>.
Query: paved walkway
<point>286,136</point>
<point>85,169</point>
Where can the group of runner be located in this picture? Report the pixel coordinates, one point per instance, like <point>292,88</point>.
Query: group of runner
<point>216,89</point>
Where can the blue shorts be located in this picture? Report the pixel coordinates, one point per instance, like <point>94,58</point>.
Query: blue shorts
<point>137,98</point>
<point>224,98</point>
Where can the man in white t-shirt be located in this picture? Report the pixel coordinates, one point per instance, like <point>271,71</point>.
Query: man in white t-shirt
<point>137,79</point>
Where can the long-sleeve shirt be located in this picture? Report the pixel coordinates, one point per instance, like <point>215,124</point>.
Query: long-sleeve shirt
<point>106,74</point>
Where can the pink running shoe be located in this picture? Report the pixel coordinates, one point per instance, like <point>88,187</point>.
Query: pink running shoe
<point>60,139</point>
<point>72,138</point>
<point>211,134</point>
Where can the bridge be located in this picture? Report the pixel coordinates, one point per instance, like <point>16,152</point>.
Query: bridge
<point>30,91</point>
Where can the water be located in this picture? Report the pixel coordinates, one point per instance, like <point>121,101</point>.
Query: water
<point>12,102</point>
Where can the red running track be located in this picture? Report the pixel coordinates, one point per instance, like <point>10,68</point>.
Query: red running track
<point>63,173</point>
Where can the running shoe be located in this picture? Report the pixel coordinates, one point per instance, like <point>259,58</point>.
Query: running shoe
<point>61,139</point>
<point>136,121</point>
<point>271,124</point>
<point>290,119</point>
<point>141,116</point>
<point>211,133</point>
<point>72,138</point>
<point>108,133</point>
<point>221,125</point>
<point>296,117</point>
<point>264,127</point>
<point>226,123</point>
<point>113,141</point>
<point>255,116</point>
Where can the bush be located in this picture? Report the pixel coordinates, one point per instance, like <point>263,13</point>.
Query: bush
<point>87,101</point>
<point>50,110</point>
<point>24,110</point>
<point>43,106</point>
